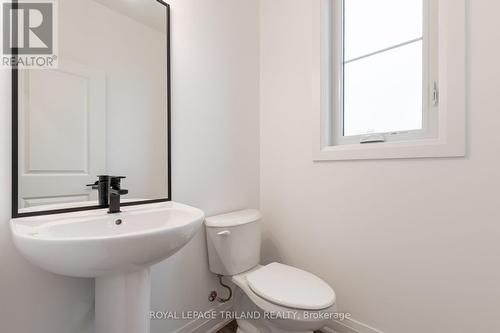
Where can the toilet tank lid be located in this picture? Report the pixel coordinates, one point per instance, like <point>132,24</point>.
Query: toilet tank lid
<point>233,219</point>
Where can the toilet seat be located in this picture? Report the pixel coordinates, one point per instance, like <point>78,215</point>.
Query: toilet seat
<point>268,306</point>
<point>291,287</point>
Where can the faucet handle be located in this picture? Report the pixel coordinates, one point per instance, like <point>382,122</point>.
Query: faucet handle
<point>101,180</point>
<point>94,186</point>
<point>115,184</point>
<point>116,180</point>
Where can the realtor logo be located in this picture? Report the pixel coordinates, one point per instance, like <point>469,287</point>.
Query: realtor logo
<point>29,38</point>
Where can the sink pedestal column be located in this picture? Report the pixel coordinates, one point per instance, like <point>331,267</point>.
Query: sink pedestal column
<point>122,302</point>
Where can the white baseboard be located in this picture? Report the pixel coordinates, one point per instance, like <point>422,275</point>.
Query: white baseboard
<point>207,325</point>
<point>212,326</point>
<point>349,326</point>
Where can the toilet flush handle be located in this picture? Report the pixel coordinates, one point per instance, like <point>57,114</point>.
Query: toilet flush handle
<point>224,233</point>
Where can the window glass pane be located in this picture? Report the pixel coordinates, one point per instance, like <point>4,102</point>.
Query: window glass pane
<point>373,25</point>
<point>383,92</point>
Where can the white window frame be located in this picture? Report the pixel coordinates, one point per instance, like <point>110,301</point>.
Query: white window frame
<point>442,136</point>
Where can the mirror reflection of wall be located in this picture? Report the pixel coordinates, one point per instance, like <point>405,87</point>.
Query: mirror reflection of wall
<point>103,111</point>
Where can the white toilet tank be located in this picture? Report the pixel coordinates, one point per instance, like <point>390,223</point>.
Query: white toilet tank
<point>233,241</point>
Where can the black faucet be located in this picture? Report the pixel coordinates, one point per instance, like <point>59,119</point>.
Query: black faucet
<point>115,192</point>
<point>109,188</point>
<point>102,187</point>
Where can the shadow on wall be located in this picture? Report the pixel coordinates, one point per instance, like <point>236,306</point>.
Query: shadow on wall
<point>270,251</point>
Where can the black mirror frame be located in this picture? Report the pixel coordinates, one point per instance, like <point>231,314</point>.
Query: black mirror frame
<point>15,138</point>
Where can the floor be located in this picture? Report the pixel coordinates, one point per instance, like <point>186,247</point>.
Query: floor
<point>232,327</point>
<point>229,328</point>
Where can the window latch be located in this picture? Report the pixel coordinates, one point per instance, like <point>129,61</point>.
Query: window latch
<point>372,138</point>
<point>435,94</point>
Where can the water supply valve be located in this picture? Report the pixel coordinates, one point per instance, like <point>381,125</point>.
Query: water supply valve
<point>213,296</point>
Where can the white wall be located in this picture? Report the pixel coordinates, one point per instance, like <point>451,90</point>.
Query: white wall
<point>409,245</point>
<point>215,167</point>
<point>215,59</point>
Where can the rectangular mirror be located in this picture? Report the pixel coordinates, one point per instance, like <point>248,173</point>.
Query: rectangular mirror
<point>105,110</point>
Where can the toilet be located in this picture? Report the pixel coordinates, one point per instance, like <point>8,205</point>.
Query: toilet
<point>274,298</point>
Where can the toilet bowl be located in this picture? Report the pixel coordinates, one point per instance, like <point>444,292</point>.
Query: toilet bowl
<point>274,298</point>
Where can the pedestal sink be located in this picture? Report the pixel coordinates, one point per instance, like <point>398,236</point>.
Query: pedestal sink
<point>117,250</point>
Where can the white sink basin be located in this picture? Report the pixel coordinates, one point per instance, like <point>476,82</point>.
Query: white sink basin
<point>117,249</point>
<point>91,244</point>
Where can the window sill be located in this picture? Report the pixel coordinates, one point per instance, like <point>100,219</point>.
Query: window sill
<point>428,148</point>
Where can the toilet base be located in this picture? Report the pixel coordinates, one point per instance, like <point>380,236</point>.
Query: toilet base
<point>243,304</point>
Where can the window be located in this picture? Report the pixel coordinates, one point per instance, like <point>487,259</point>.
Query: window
<point>387,70</point>
<point>381,69</point>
